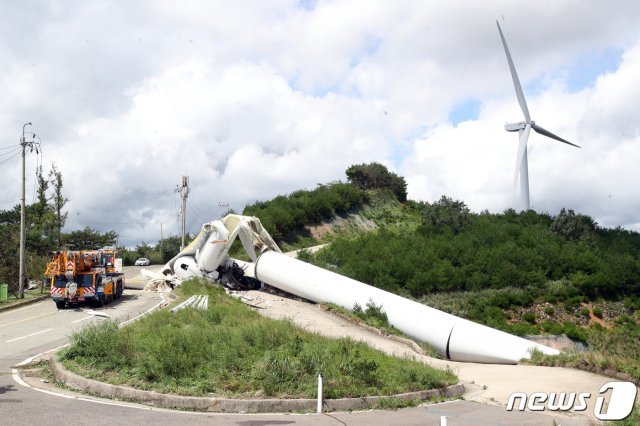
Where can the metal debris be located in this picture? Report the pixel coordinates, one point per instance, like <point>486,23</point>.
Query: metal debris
<point>199,301</point>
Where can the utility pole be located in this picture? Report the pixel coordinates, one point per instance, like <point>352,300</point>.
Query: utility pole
<point>184,193</point>
<point>161,242</point>
<point>22,274</point>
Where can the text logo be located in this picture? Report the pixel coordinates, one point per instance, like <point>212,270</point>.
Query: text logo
<point>617,406</point>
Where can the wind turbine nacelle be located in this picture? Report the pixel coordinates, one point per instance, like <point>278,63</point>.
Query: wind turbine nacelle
<point>515,127</point>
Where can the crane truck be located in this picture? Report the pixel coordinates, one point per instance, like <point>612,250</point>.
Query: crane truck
<point>93,276</point>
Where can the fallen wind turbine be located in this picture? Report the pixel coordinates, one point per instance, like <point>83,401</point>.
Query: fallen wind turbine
<point>523,128</point>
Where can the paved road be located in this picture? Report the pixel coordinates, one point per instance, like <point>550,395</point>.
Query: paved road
<point>37,328</point>
<point>135,279</point>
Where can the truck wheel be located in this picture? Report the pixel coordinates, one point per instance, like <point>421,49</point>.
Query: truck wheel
<point>101,301</point>
<point>60,304</point>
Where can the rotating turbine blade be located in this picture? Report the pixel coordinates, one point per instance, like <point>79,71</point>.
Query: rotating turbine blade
<point>514,76</point>
<point>522,146</point>
<point>548,134</point>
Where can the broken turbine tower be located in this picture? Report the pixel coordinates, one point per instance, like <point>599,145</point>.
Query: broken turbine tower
<point>455,338</point>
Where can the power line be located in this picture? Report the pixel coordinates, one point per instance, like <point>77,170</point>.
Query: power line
<point>13,156</point>
<point>9,146</point>
<point>196,214</point>
<point>10,152</point>
<point>196,208</point>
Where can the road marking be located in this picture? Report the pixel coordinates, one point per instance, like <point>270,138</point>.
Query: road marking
<point>29,335</point>
<point>162,300</point>
<point>27,319</point>
<point>82,319</point>
<point>29,306</point>
<point>31,358</point>
<point>15,373</point>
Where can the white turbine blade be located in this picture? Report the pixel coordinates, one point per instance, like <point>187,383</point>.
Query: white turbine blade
<point>522,146</point>
<point>514,76</point>
<point>551,135</point>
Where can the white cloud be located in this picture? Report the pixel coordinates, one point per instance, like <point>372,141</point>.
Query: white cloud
<point>256,99</point>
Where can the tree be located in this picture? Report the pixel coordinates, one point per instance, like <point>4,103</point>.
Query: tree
<point>170,247</point>
<point>446,212</point>
<point>89,239</point>
<point>574,227</point>
<point>41,206</point>
<point>144,249</point>
<point>9,249</point>
<point>376,175</point>
<point>44,220</point>
<point>40,230</point>
<point>58,201</point>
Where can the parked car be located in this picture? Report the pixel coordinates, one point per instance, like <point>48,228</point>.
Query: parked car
<point>143,261</point>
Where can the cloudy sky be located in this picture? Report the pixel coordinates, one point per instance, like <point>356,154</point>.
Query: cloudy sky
<point>256,98</point>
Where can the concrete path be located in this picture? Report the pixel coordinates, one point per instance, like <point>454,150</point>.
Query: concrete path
<point>485,383</point>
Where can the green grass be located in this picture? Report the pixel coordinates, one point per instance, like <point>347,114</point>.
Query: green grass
<point>232,351</point>
<point>374,316</point>
<point>28,294</point>
<point>371,315</point>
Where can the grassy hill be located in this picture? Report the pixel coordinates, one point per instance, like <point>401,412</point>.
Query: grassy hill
<point>526,273</point>
<point>229,350</point>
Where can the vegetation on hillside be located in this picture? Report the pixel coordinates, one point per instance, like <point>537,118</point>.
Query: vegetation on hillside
<point>455,250</point>
<point>377,176</point>
<point>285,215</point>
<point>230,350</point>
<point>525,273</point>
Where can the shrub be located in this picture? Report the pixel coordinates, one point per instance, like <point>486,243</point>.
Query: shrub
<point>285,214</point>
<point>552,327</point>
<point>549,310</point>
<point>529,317</point>
<point>572,302</point>
<point>597,311</point>
<point>573,332</point>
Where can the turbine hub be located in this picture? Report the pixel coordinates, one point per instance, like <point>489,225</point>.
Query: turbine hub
<point>515,127</point>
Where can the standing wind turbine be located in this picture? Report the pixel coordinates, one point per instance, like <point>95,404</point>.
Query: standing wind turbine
<point>523,128</point>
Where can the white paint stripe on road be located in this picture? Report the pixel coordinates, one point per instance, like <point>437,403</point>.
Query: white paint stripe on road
<point>29,335</point>
<point>16,374</point>
<point>82,319</point>
<point>31,358</point>
<point>26,319</point>
<point>122,324</point>
<point>32,305</point>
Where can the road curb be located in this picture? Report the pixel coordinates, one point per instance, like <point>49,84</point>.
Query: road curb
<point>227,405</point>
<point>23,303</point>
